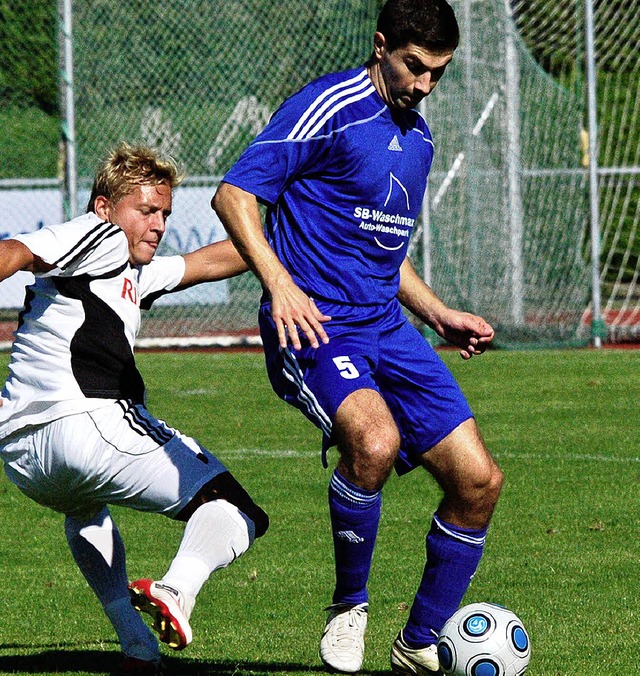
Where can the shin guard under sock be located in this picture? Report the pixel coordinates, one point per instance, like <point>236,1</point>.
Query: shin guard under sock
<point>453,555</point>
<point>355,515</point>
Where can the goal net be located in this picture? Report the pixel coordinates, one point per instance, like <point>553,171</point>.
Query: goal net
<point>507,210</point>
<point>200,80</point>
<point>505,229</point>
<point>553,33</point>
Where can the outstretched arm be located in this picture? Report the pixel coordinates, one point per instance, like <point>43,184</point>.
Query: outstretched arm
<point>15,256</point>
<point>291,308</point>
<point>212,263</point>
<point>467,331</point>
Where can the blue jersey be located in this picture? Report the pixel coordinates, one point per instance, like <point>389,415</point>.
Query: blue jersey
<point>343,177</point>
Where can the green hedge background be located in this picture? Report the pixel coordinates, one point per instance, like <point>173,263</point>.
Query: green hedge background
<point>29,107</point>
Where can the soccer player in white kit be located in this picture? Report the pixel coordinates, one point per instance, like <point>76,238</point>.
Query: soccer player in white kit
<point>75,434</point>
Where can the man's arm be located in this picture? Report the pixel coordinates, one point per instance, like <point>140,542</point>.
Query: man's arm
<point>291,308</point>
<point>469,332</point>
<point>212,263</point>
<point>15,256</point>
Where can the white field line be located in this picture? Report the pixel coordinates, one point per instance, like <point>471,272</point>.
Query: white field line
<point>577,457</point>
<point>571,457</point>
<point>266,453</point>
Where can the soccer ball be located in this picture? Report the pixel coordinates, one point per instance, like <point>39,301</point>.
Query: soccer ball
<point>484,639</point>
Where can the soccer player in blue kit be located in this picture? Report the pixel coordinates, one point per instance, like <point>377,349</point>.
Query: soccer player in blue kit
<point>342,168</point>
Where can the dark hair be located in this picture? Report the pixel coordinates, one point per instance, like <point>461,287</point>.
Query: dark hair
<point>430,24</point>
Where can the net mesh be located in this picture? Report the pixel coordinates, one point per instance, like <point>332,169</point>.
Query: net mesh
<point>508,205</point>
<point>200,80</point>
<point>505,229</point>
<point>554,35</point>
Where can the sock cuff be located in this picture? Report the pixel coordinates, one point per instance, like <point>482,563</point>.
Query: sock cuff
<point>475,537</point>
<point>354,496</point>
<point>102,520</point>
<point>238,516</point>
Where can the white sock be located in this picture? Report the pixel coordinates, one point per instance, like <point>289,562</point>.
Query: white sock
<point>215,535</point>
<point>98,551</point>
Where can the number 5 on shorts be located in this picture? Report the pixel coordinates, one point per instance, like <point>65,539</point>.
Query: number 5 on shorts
<point>346,367</point>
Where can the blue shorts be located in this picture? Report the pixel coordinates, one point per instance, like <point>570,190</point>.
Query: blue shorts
<point>381,351</point>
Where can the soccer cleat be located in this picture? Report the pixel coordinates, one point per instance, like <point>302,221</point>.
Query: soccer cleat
<point>342,643</point>
<point>413,661</point>
<point>167,609</point>
<point>134,665</point>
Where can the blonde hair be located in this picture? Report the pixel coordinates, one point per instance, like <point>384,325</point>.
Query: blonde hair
<point>127,166</point>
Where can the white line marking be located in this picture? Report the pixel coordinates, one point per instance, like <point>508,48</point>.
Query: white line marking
<point>572,457</point>
<point>577,457</point>
<point>267,453</point>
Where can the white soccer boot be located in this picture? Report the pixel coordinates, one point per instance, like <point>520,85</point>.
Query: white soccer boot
<point>168,609</point>
<point>342,643</point>
<point>406,661</point>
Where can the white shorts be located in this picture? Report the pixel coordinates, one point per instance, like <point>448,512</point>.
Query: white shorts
<point>118,454</point>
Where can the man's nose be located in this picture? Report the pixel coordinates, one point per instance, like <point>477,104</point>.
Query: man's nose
<point>424,84</point>
<point>159,221</point>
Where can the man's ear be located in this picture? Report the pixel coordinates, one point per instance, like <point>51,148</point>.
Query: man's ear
<point>379,45</point>
<point>102,207</point>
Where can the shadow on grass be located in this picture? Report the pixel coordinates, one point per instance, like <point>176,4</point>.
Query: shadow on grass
<point>99,662</point>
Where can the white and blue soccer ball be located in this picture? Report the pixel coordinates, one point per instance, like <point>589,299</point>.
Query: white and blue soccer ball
<point>484,639</point>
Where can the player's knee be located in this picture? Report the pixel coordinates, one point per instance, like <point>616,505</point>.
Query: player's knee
<point>482,489</point>
<point>76,523</point>
<point>371,445</point>
<point>260,519</point>
<point>225,486</point>
<point>496,483</point>
<point>370,466</point>
<point>385,443</point>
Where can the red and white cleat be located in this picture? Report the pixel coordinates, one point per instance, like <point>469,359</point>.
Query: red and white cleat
<point>166,606</point>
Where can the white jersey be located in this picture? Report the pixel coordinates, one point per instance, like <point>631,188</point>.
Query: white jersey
<point>73,349</point>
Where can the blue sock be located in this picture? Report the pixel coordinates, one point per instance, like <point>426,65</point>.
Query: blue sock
<point>355,515</point>
<point>453,555</point>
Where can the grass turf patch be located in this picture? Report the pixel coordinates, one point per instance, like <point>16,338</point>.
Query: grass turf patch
<point>562,551</point>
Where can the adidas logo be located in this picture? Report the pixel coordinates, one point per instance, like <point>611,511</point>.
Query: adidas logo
<point>167,588</point>
<point>349,536</point>
<point>395,145</point>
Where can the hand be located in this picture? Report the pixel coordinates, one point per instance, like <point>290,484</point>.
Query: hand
<point>291,310</point>
<point>469,332</point>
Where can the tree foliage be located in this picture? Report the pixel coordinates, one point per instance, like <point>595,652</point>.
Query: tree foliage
<point>28,54</point>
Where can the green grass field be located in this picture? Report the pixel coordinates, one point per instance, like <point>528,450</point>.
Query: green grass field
<point>563,550</point>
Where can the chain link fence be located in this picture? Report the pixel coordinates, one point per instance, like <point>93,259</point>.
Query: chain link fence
<point>505,229</point>
<point>199,80</point>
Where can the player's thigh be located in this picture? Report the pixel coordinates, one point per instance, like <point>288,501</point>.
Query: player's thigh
<point>318,381</point>
<point>421,392</point>
<point>367,438</point>
<point>117,454</point>
<point>469,476</point>
<point>58,464</point>
<point>461,461</point>
<point>151,466</point>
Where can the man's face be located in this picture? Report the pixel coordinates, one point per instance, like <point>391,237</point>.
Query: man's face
<point>409,73</point>
<point>142,216</point>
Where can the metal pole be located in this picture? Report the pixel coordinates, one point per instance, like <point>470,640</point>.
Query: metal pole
<point>425,239</point>
<point>598,327</point>
<point>474,288</point>
<point>515,217</point>
<point>425,217</point>
<point>68,117</point>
